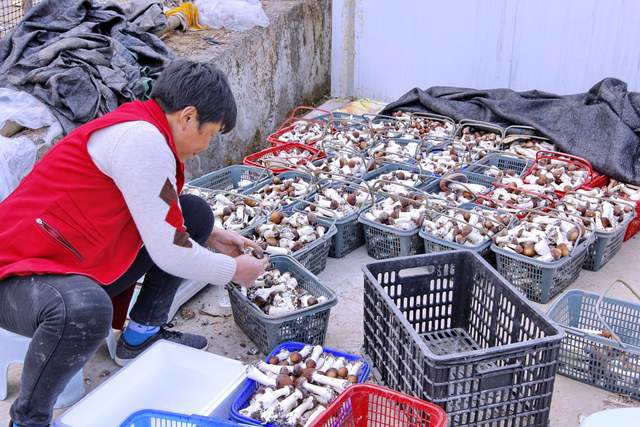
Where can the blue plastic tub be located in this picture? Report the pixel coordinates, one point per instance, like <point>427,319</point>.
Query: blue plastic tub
<point>250,386</point>
<point>155,418</point>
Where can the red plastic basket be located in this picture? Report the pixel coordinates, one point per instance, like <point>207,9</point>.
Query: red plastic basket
<point>592,177</point>
<point>364,405</point>
<point>633,228</point>
<point>254,158</point>
<point>288,123</point>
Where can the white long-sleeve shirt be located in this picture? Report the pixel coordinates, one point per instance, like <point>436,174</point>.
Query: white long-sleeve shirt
<point>135,155</point>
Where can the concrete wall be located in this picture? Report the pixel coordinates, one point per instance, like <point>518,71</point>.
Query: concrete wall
<point>384,48</point>
<point>271,70</point>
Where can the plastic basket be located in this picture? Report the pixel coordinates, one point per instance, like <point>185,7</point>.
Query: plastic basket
<point>568,158</point>
<point>540,281</point>
<point>435,244</point>
<point>605,246</point>
<point>447,328</point>
<point>308,324</point>
<point>364,405</point>
<point>384,241</point>
<point>349,232</point>
<point>390,167</point>
<point>250,386</point>
<point>155,418</point>
<point>502,162</point>
<point>473,178</point>
<point>285,175</point>
<point>254,159</point>
<point>227,179</point>
<point>593,359</point>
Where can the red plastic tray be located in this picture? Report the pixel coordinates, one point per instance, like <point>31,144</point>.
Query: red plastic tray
<point>253,159</point>
<point>568,158</point>
<point>364,405</point>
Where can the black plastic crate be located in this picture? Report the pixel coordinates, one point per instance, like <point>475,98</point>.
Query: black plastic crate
<point>447,328</point>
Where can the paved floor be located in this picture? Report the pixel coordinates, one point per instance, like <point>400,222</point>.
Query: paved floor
<point>571,400</point>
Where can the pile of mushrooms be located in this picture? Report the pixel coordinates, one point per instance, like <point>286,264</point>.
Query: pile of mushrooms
<point>402,212</point>
<point>341,165</point>
<point>466,227</point>
<point>397,182</point>
<point>558,174</point>
<point>593,205</point>
<point>283,234</point>
<point>350,139</point>
<point>390,128</point>
<point>230,211</point>
<point>424,128</point>
<point>287,158</point>
<point>527,147</point>
<point>303,132</point>
<point>495,172</point>
<point>623,191</point>
<point>278,294</point>
<point>296,387</point>
<point>392,150</point>
<point>542,237</point>
<point>455,189</point>
<point>517,197</point>
<point>338,201</point>
<point>441,161</point>
<point>280,192</point>
<point>477,142</point>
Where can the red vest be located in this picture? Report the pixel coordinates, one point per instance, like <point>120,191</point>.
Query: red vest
<point>67,217</point>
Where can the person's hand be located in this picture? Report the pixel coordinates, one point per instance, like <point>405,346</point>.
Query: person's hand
<point>229,242</point>
<point>248,268</point>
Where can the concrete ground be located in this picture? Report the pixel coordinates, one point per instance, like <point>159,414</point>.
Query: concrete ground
<point>571,401</point>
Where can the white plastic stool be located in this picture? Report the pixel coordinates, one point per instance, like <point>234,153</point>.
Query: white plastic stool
<point>13,349</point>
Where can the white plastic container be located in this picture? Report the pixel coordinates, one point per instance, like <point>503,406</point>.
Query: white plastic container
<point>168,377</point>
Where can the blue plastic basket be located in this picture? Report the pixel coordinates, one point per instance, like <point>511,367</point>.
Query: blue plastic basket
<point>250,386</point>
<point>155,418</point>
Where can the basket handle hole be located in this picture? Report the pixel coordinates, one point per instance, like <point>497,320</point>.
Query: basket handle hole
<point>426,270</point>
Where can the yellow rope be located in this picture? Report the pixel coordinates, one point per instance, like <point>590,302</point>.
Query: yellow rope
<point>190,12</point>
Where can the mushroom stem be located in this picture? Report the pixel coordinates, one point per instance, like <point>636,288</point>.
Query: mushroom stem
<point>294,416</point>
<point>325,394</point>
<point>315,414</point>
<point>336,383</point>
<point>258,376</point>
<point>316,353</point>
<point>269,400</point>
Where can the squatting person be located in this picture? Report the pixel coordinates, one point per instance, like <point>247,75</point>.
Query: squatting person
<point>98,212</point>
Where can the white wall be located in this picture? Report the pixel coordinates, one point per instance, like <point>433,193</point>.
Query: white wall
<point>382,48</point>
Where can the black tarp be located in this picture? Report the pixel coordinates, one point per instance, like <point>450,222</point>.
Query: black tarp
<point>602,125</point>
<point>84,59</point>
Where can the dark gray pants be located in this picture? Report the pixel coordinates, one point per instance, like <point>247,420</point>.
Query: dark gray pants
<point>68,316</point>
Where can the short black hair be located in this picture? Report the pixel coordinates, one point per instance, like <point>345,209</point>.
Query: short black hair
<point>183,83</point>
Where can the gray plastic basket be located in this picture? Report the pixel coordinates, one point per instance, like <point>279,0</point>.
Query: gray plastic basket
<point>284,175</point>
<point>308,325</point>
<point>502,162</point>
<point>227,179</point>
<point>435,244</point>
<point>349,232</point>
<point>605,246</point>
<point>594,359</point>
<point>447,328</point>
<point>473,178</point>
<point>389,242</point>
<point>540,281</point>
<point>314,255</point>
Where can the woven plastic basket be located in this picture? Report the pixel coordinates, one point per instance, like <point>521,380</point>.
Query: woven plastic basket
<point>384,241</point>
<point>307,324</point>
<point>504,162</point>
<point>447,328</point>
<point>227,179</point>
<point>605,246</point>
<point>588,356</point>
<point>256,159</point>
<point>540,281</point>
<point>155,418</point>
<point>364,405</point>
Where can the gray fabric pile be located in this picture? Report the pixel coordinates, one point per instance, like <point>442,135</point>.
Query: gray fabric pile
<point>602,125</point>
<point>83,59</point>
